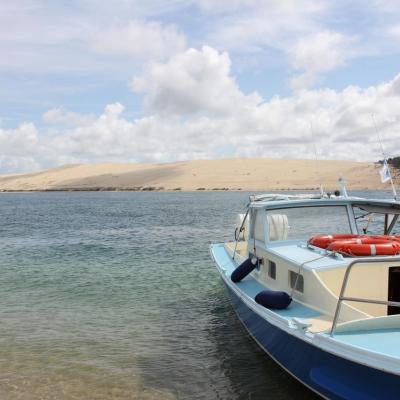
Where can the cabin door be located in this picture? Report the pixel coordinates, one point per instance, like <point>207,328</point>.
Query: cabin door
<point>394,289</point>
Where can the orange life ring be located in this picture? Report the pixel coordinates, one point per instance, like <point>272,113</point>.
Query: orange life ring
<point>323,241</point>
<point>383,248</point>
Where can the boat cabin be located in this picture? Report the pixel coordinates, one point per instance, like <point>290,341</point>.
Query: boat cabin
<point>362,271</point>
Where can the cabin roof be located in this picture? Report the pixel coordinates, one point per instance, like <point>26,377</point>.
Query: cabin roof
<point>271,201</point>
<point>310,259</point>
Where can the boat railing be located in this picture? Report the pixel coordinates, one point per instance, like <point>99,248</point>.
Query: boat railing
<point>343,298</point>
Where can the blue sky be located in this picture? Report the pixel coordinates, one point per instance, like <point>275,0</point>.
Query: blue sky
<point>159,81</point>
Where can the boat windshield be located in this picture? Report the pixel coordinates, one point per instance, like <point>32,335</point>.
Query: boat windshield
<point>304,222</point>
<point>376,223</point>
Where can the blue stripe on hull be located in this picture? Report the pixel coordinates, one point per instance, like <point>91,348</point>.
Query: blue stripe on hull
<point>331,376</point>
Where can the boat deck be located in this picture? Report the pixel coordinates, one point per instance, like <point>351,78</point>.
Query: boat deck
<point>251,287</point>
<point>359,333</point>
<point>383,341</point>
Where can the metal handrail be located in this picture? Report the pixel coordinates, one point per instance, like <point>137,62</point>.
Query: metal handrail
<point>342,298</point>
<point>240,230</point>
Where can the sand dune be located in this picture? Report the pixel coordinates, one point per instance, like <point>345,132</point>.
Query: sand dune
<point>233,174</point>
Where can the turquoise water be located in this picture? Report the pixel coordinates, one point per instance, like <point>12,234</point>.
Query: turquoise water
<point>114,296</point>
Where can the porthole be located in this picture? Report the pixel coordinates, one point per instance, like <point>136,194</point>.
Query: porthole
<point>271,269</point>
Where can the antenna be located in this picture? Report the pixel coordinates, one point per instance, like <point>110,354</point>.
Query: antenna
<point>321,189</point>
<point>384,157</point>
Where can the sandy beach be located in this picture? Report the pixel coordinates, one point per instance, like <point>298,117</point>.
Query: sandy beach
<point>225,174</point>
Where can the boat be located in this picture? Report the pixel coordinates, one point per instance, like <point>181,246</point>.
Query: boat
<point>315,280</point>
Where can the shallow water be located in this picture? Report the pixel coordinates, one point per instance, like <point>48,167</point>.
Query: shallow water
<point>114,296</point>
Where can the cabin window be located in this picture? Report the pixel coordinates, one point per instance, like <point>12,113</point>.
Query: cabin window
<point>271,269</point>
<point>293,277</point>
<point>300,223</point>
<point>375,222</point>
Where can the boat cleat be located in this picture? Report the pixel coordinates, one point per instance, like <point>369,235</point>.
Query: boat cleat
<point>300,324</point>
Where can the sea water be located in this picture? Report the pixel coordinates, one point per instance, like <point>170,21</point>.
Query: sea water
<point>114,296</point>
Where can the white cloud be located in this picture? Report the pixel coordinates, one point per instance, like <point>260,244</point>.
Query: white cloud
<point>113,110</point>
<point>393,31</point>
<point>84,37</point>
<point>19,148</point>
<point>260,24</point>
<point>283,33</point>
<point>206,115</point>
<point>318,53</point>
<point>222,6</point>
<point>149,40</point>
<point>16,141</point>
<point>193,82</point>
<point>341,121</point>
<point>60,116</point>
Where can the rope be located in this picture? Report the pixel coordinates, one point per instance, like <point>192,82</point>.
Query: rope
<point>365,230</point>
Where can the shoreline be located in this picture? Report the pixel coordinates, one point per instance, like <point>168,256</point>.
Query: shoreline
<point>158,190</point>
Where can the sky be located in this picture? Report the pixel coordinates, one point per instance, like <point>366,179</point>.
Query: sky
<point>90,81</point>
